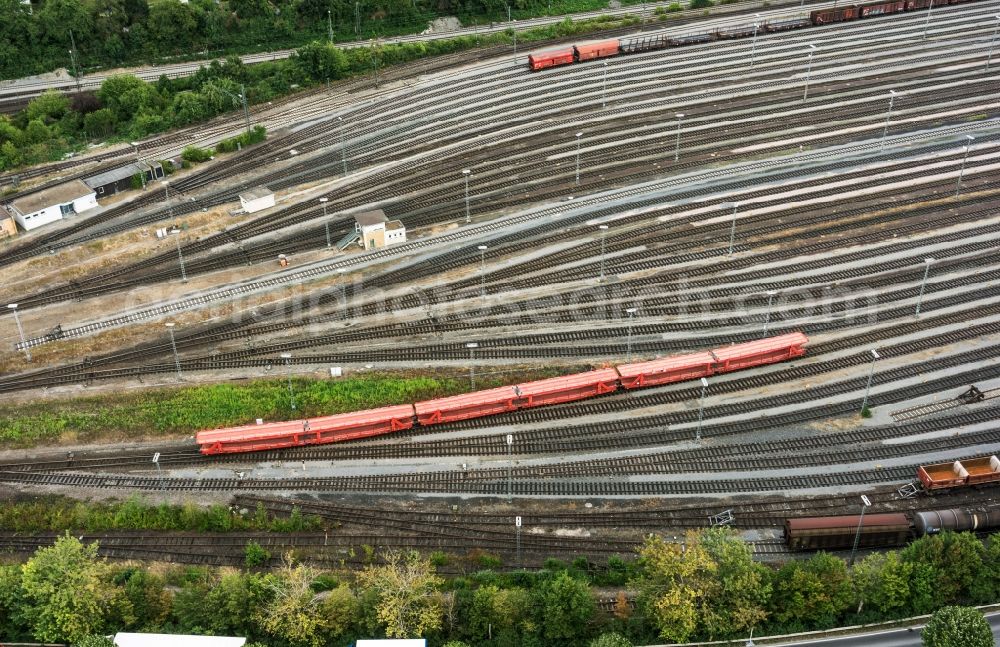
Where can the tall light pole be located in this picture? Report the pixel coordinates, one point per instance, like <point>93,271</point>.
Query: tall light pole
<point>968,142</point>
<point>753,47</point>
<point>173,345</point>
<point>472,346</point>
<point>927,22</point>
<point>865,503</point>
<point>993,41</point>
<point>482,271</point>
<point>343,148</point>
<point>604,233</point>
<point>374,62</point>
<point>326,223</point>
<point>628,346</point>
<point>871,374</point>
<point>767,316</point>
<point>468,217</point>
<point>510,466</point>
<point>288,369</point>
<point>357,20</point>
<point>72,56</point>
<point>732,229</point>
<point>166,196</point>
<point>604,87</point>
<point>578,136</point>
<point>329,26</point>
<point>888,113</point>
<point>142,174</point>
<point>677,144</point>
<point>180,255</point>
<point>812,50</point>
<point>20,330</point>
<point>701,410</point>
<point>920,297</point>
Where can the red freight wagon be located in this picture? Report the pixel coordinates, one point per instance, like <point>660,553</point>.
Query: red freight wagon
<point>941,476</point>
<point>567,388</point>
<point>881,8</point>
<point>542,60</point>
<point>824,16</point>
<point>315,431</point>
<point>603,49</point>
<point>762,351</point>
<point>469,405</point>
<point>918,4</point>
<point>666,370</point>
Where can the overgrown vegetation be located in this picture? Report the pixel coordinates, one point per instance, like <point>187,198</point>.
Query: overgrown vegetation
<point>190,409</point>
<point>706,588</point>
<point>128,108</point>
<point>58,514</point>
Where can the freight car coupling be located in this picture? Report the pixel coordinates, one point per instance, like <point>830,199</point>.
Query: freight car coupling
<point>568,388</point>
<point>819,17</point>
<point>972,395</point>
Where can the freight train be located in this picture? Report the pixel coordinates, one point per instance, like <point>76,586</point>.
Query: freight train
<point>614,47</point>
<point>884,530</point>
<point>568,388</point>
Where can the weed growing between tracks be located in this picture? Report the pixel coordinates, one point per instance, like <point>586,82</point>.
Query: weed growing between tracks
<point>183,411</point>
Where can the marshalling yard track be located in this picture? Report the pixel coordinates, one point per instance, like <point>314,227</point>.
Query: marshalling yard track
<point>760,209</point>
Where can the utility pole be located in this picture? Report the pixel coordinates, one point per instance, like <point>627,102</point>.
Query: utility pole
<point>326,224</point>
<point>482,272</point>
<point>246,109</point>
<point>288,369</point>
<point>20,330</point>
<point>928,21</point>
<point>812,50</point>
<point>628,346</point>
<point>677,145</point>
<point>510,467</point>
<point>578,136</point>
<point>357,21</point>
<point>993,42</point>
<point>180,254</point>
<point>604,233</point>
<point>329,27</point>
<point>865,503</point>
<point>753,48</point>
<point>885,129</point>
<point>173,346</point>
<point>871,374</point>
<point>767,317</point>
<point>701,410</point>
<point>472,346</point>
<point>343,147</point>
<point>732,229</point>
<point>468,217</point>
<point>72,56</point>
<point>920,297</point>
<point>968,142</point>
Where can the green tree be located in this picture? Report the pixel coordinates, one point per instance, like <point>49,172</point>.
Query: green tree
<point>738,600</point>
<point>125,95</point>
<point>405,591</point>
<point>567,607</point>
<point>955,559</point>
<point>957,627</point>
<point>611,640</point>
<point>100,123</point>
<point>673,582</point>
<point>986,587</point>
<point>11,603</point>
<point>815,592</point>
<point>48,107</point>
<point>66,594</point>
<point>884,582</point>
<point>94,640</point>
<point>293,614</point>
<point>171,26</point>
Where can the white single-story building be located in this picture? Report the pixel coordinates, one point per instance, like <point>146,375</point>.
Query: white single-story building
<point>257,199</point>
<point>376,231</point>
<point>175,640</point>
<point>33,211</point>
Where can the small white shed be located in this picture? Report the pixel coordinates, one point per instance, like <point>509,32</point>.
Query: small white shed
<point>175,640</point>
<point>41,208</point>
<point>257,199</point>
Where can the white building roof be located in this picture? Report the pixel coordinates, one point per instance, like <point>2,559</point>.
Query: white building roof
<point>256,193</point>
<point>62,194</point>
<point>175,640</point>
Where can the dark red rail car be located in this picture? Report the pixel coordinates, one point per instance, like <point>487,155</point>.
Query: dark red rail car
<point>881,8</point>
<point>974,471</point>
<point>813,533</point>
<point>314,431</point>
<point>552,58</point>
<point>761,351</point>
<point>593,51</point>
<point>825,16</point>
<point>666,370</point>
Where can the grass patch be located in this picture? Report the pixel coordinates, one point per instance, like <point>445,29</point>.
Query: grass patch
<point>184,411</point>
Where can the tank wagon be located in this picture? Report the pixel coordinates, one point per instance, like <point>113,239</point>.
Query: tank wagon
<point>884,530</point>
<point>605,49</point>
<point>568,388</point>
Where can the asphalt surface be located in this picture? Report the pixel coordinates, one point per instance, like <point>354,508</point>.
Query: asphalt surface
<point>908,637</point>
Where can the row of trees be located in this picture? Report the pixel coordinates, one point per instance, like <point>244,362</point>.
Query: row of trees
<point>125,107</point>
<point>707,587</point>
<point>37,38</point>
